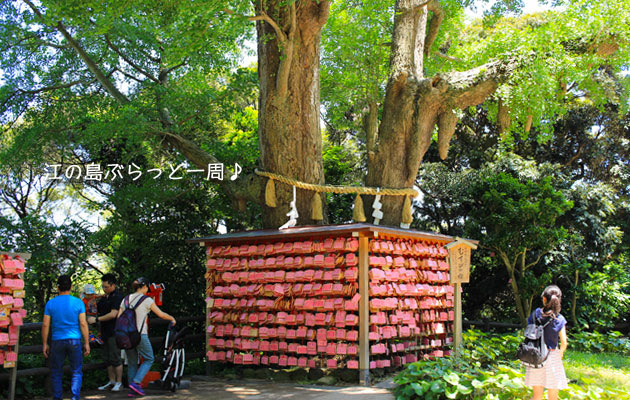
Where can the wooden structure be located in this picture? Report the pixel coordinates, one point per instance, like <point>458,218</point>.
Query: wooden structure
<point>355,296</point>
<point>459,261</point>
<point>11,311</point>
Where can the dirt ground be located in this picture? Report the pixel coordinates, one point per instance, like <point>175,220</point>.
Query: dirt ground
<point>216,389</point>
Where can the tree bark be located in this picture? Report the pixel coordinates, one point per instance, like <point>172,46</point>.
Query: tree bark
<point>511,267</point>
<point>415,104</point>
<point>574,299</point>
<point>288,122</point>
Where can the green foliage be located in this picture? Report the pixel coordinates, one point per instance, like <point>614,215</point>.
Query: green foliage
<point>55,249</point>
<point>514,210</point>
<point>605,295</point>
<point>172,62</point>
<point>597,342</point>
<point>484,369</point>
<point>340,168</point>
<point>354,60</point>
<point>487,349</point>
<point>602,370</point>
<point>558,53</point>
<point>147,232</point>
<point>586,153</point>
<point>516,205</point>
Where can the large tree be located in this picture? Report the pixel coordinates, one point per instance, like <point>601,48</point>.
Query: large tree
<point>530,65</point>
<point>528,69</point>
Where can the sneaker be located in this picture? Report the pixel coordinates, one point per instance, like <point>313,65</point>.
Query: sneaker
<point>136,388</point>
<point>117,387</point>
<point>106,386</point>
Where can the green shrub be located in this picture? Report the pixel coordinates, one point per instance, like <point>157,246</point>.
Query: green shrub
<point>595,342</point>
<point>485,368</point>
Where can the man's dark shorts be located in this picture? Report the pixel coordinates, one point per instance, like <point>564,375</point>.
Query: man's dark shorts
<point>111,352</point>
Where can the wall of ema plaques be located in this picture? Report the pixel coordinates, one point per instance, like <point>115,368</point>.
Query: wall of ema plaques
<point>296,303</point>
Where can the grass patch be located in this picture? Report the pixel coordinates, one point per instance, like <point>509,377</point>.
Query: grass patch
<point>604,370</point>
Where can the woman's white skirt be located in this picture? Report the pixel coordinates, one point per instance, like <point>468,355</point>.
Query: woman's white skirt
<point>551,376</point>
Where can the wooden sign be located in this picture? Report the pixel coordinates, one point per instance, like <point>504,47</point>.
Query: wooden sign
<point>459,260</point>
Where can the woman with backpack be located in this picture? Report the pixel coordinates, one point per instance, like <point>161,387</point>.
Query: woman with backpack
<point>551,376</point>
<point>142,305</point>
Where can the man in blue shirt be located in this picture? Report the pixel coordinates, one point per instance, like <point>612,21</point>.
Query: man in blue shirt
<point>64,315</point>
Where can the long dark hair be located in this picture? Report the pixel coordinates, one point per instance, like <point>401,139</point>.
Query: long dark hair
<point>553,294</point>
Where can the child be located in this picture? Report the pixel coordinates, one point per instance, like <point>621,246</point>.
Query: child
<point>551,376</point>
<point>90,299</point>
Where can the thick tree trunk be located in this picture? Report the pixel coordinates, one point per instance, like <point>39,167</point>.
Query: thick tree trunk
<point>415,104</point>
<point>409,113</point>
<point>289,127</point>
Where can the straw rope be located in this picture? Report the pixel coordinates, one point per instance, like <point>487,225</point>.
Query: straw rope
<point>338,189</point>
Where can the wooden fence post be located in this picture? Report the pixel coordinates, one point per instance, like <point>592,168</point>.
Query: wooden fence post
<point>364,312</point>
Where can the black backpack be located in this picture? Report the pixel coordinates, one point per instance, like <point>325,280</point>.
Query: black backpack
<point>533,351</point>
<point>126,330</point>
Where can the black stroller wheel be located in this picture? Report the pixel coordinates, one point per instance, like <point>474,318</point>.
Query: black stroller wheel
<point>173,387</point>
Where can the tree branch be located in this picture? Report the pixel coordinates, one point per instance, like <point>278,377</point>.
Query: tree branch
<point>263,16</point>
<point>472,87</point>
<point>50,88</point>
<point>135,66</point>
<point>128,75</point>
<point>541,255</point>
<point>250,190</point>
<point>434,26</point>
<point>407,41</point>
<point>503,117</point>
<point>324,12</point>
<point>506,261</point>
<point>54,45</point>
<point>100,76</point>
<point>282,81</point>
<point>447,57</point>
<point>419,36</point>
<point>173,68</point>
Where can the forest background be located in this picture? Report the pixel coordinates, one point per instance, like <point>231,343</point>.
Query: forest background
<point>513,126</point>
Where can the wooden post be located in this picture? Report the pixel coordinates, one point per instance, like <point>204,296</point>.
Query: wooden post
<point>364,312</point>
<point>459,270</point>
<point>13,376</point>
<point>458,317</point>
<point>206,318</point>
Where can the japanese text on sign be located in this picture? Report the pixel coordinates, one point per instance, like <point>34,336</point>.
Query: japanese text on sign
<point>460,264</point>
<point>95,172</point>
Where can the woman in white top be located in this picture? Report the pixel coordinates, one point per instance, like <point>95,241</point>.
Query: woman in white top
<point>143,306</point>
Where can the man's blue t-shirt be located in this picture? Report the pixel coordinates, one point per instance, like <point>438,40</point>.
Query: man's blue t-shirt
<point>64,317</point>
<point>552,330</point>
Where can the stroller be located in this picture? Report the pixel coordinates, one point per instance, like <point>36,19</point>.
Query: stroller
<point>174,357</point>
